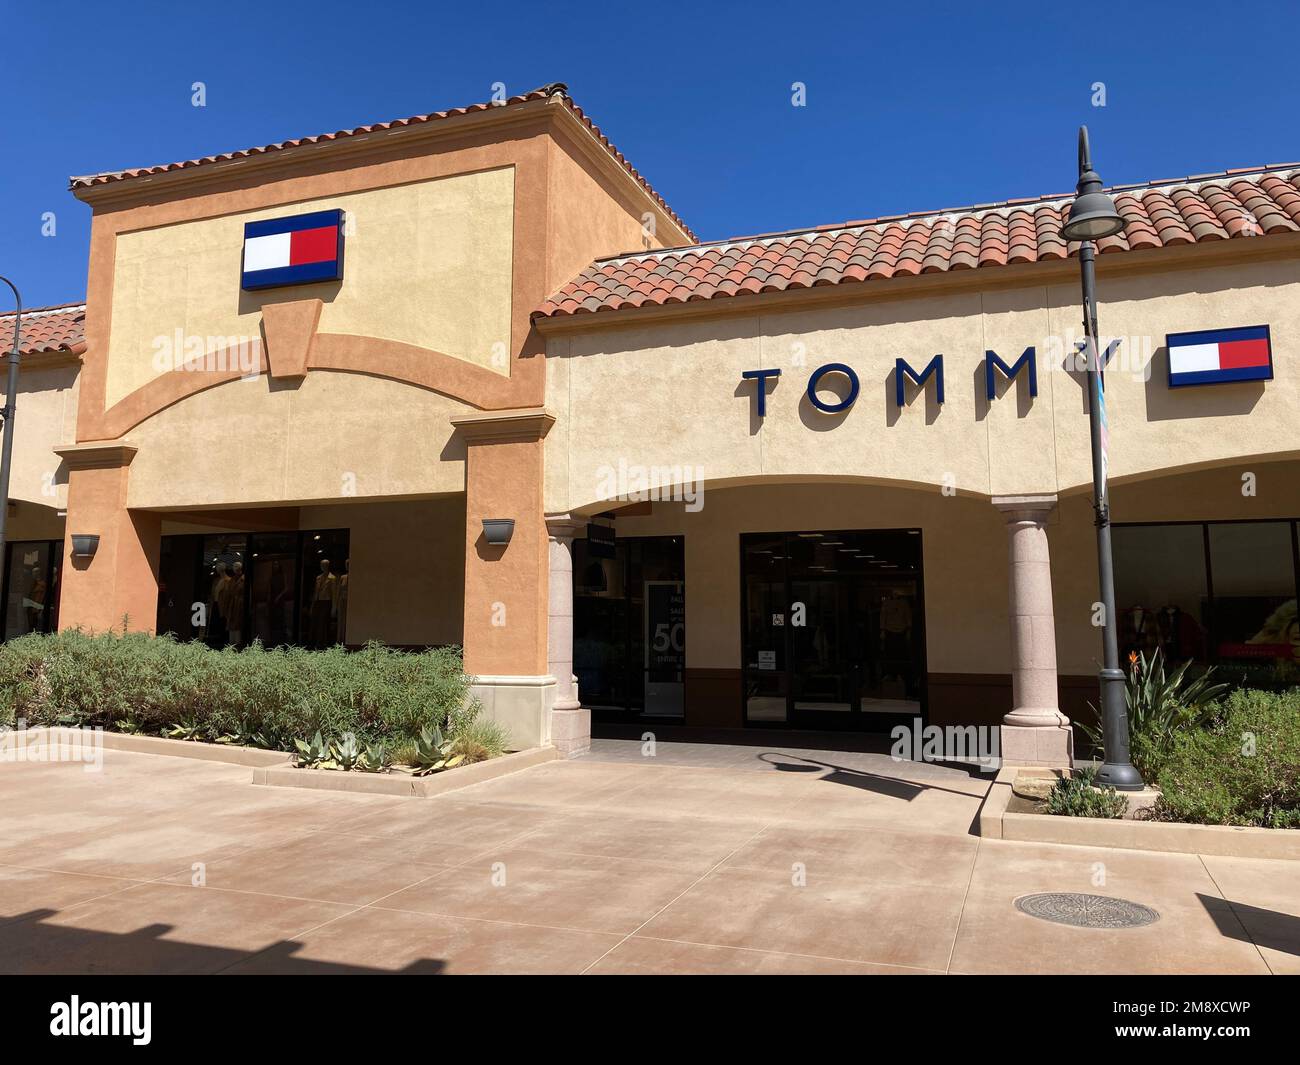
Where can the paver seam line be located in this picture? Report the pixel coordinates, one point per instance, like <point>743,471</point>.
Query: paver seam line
<point>305,931</point>
<point>129,884</point>
<point>785,953</point>
<point>126,885</point>
<point>1201,859</point>
<point>676,898</point>
<point>356,909</point>
<point>970,879</point>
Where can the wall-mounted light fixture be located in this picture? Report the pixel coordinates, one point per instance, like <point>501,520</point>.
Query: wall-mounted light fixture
<point>497,531</point>
<point>84,546</point>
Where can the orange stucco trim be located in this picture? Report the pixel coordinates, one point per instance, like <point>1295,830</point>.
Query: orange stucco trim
<point>290,329</point>
<point>118,587</point>
<point>505,587</point>
<point>522,144</point>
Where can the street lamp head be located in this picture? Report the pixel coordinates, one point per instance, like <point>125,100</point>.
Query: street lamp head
<point>1093,214</point>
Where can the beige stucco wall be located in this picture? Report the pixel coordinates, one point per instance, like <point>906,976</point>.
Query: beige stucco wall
<point>407,568</point>
<point>331,436</point>
<point>592,215</point>
<point>964,554</point>
<point>426,263</point>
<point>46,417</point>
<point>669,393</point>
<point>964,558</point>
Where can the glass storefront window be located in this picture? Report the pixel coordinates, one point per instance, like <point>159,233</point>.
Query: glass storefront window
<point>629,625</point>
<point>32,586</point>
<point>325,588</point>
<point>1160,590</point>
<point>833,633</point>
<point>224,589</point>
<point>273,588</point>
<point>1253,571</point>
<point>1222,593</point>
<point>280,588</point>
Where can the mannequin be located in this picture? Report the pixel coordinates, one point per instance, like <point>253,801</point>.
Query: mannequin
<point>324,605</point>
<point>232,609</point>
<point>895,630</point>
<point>1136,632</point>
<point>216,602</point>
<point>343,601</point>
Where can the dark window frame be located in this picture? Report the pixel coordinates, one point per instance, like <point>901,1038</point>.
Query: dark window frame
<point>629,710</point>
<point>1208,561</point>
<point>300,542</point>
<point>54,591</point>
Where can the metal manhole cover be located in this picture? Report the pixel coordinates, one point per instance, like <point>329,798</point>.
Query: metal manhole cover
<point>1086,911</point>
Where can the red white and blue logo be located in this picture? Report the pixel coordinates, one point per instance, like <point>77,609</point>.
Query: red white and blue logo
<point>1215,356</point>
<point>293,251</point>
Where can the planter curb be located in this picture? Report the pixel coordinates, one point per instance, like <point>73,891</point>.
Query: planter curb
<point>1228,841</point>
<point>402,784</point>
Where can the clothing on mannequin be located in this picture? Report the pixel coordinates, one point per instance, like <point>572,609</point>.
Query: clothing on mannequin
<point>232,605</point>
<point>324,605</point>
<point>343,601</point>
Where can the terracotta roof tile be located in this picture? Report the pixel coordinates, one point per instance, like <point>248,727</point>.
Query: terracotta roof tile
<point>556,89</point>
<point>46,329</point>
<point>1231,205</point>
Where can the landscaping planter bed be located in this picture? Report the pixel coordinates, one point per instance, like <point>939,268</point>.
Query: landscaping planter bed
<point>999,819</point>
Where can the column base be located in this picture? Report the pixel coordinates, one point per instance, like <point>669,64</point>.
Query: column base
<point>520,704</point>
<point>571,731</point>
<point>1048,747</point>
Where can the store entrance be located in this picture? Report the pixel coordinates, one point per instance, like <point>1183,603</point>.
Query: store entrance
<point>834,634</point>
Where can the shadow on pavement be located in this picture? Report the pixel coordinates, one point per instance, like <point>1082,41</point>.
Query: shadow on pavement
<point>30,945</point>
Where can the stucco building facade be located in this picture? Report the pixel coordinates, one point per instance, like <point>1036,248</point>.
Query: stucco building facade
<point>738,499</point>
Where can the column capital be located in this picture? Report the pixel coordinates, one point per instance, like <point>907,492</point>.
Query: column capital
<point>97,454</point>
<point>520,425</point>
<point>564,526</point>
<point>1026,507</point>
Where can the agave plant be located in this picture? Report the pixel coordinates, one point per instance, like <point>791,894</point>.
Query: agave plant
<point>188,728</point>
<point>241,735</point>
<point>1161,705</point>
<point>376,758</point>
<point>346,751</point>
<point>315,753</point>
<point>128,725</point>
<point>433,752</point>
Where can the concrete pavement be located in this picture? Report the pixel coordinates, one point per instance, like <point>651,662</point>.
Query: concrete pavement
<point>762,860</point>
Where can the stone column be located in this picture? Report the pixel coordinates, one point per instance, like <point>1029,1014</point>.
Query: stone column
<point>570,723</point>
<point>1035,732</point>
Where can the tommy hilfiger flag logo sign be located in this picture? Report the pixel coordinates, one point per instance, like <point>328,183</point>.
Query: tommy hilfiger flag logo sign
<point>293,251</point>
<point>1214,356</point>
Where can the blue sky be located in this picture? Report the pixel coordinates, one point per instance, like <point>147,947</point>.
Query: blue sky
<point>909,106</point>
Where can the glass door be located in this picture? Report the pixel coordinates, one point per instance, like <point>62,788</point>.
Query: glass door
<point>32,586</point>
<point>766,614</point>
<point>833,633</point>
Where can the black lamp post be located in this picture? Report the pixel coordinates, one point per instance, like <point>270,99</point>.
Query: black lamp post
<point>1093,216</point>
<point>11,399</point>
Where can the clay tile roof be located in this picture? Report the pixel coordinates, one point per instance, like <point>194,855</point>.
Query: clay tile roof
<point>1234,204</point>
<point>557,90</point>
<point>46,329</point>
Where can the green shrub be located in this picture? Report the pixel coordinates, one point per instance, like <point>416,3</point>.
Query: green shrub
<point>1242,769</point>
<point>1078,796</point>
<point>262,697</point>
<point>1161,706</point>
<point>482,739</point>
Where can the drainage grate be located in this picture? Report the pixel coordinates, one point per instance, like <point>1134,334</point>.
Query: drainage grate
<point>1086,911</point>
